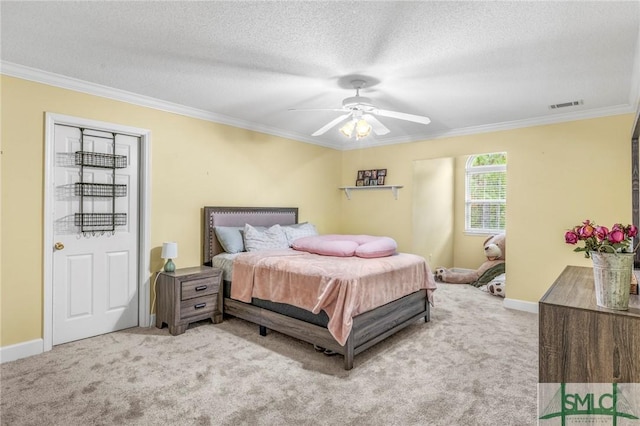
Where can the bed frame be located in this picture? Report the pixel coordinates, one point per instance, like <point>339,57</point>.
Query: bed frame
<point>368,328</point>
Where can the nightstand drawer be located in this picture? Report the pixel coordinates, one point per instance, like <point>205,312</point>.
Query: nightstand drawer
<point>198,306</point>
<point>199,287</point>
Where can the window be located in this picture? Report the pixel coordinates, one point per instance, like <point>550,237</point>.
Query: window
<point>486,193</point>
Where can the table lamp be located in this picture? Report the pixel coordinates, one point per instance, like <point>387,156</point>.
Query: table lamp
<point>169,252</point>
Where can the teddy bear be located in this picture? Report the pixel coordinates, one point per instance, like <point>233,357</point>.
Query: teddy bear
<point>494,250</point>
<point>496,286</point>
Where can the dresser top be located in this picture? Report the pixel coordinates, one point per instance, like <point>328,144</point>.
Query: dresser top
<point>575,288</point>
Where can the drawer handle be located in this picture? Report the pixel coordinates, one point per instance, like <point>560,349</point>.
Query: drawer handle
<point>201,287</point>
<point>200,305</point>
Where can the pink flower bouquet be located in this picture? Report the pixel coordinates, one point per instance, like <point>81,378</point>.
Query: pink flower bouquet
<point>601,239</point>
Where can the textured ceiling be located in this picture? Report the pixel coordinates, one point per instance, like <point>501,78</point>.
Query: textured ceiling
<point>469,66</point>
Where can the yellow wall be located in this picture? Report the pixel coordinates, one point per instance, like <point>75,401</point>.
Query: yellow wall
<point>557,176</point>
<point>193,163</point>
<point>433,210</point>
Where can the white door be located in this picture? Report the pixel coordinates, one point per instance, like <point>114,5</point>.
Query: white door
<point>95,221</point>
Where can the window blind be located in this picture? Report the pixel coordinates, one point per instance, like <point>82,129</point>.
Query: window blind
<point>486,194</point>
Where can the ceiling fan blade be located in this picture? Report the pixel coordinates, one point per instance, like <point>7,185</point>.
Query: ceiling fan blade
<point>402,116</point>
<point>329,125</point>
<point>378,128</point>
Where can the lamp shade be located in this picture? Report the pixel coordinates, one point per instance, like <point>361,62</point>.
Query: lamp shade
<point>357,125</point>
<point>362,129</point>
<point>169,250</point>
<point>348,128</point>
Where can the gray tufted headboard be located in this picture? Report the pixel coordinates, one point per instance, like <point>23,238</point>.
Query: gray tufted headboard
<point>238,216</point>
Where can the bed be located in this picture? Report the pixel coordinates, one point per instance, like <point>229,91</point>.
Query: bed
<point>365,328</point>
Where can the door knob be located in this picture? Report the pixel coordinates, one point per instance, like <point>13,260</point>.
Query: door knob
<point>59,246</point>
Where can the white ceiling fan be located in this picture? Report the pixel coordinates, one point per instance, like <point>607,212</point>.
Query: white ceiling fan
<point>362,113</point>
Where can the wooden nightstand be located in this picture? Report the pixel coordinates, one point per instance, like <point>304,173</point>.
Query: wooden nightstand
<point>188,295</point>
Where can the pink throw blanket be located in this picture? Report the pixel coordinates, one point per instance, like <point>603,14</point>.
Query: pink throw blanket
<point>341,286</point>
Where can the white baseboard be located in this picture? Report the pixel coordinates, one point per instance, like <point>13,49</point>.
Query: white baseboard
<point>520,305</point>
<point>21,350</point>
<point>36,347</point>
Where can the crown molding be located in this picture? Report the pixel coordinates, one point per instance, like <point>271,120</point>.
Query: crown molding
<point>511,125</point>
<point>70,83</point>
<point>58,80</point>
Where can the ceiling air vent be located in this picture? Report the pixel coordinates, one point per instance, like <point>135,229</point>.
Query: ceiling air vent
<point>566,104</point>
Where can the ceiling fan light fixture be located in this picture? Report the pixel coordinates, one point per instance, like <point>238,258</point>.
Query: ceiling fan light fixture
<point>362,129</point>
<point>361,114</point>
<point>358,127</point>
<point>348,128</point>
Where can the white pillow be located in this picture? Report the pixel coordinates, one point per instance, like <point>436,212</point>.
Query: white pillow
<point>269,239</point>
<point>293,232</point>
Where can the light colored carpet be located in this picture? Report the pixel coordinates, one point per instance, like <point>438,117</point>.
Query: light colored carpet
<point>475,363</point>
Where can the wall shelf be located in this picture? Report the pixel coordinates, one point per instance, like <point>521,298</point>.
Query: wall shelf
<point>347,189</point>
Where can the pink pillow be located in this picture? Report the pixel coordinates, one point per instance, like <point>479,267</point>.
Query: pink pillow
<point>319,244</point>
<point>381,247</point>
<point>366,246</point>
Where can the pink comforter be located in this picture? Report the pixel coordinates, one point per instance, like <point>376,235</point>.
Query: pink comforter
<point>342,287</point>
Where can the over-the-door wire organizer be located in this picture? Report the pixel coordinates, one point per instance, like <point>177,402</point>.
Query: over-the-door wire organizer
<point>85,189</point>
<point>99,222</point>
<point>91,222</point>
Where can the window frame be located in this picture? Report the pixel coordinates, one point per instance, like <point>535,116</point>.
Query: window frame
<point>470,170</point>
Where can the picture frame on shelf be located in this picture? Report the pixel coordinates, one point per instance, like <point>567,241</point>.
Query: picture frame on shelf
<point>371,177</point>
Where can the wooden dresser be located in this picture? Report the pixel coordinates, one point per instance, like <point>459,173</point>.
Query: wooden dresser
<point>581,342</point>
